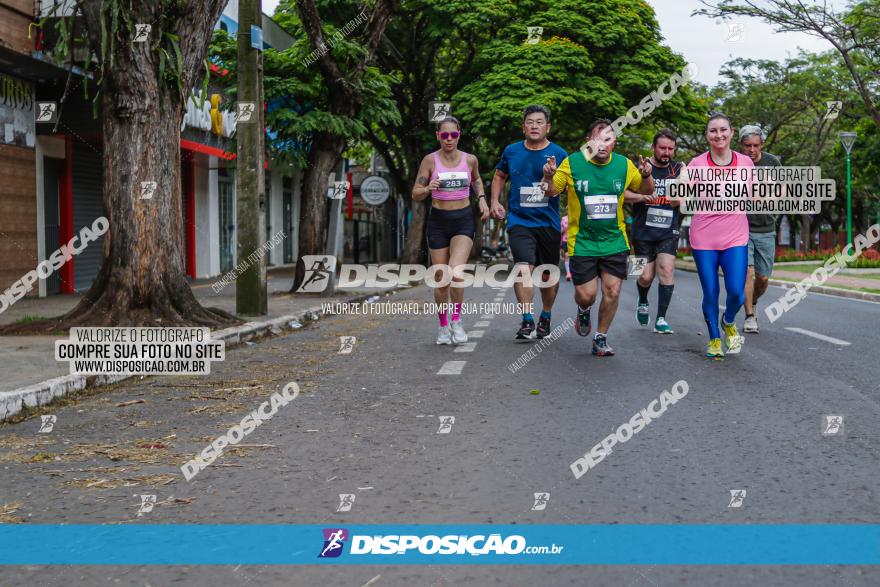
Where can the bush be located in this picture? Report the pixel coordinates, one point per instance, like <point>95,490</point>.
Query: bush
<point>786,254</point>
<point>869,259</point>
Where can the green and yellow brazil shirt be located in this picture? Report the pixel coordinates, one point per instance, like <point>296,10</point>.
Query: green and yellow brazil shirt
<point>595,199</point>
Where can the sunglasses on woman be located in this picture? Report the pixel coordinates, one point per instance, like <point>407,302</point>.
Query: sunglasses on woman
<point>445,135</point>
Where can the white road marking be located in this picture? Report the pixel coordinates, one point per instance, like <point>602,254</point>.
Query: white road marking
<point>487,316</point>
<point>452,368</point>
<point>481,324</point>
<point>830,339</point>
<point>476,333</point>
<point>467,347</point>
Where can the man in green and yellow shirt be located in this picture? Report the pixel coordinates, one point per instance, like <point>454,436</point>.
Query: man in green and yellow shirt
<point>598,182</point>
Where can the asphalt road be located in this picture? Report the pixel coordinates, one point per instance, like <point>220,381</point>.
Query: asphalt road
<point>366,424</point>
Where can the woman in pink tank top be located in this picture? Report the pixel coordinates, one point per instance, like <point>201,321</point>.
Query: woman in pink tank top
<point>721,240</point>
<point>448,175</point>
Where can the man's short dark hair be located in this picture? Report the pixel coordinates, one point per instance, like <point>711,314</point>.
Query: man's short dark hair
<point>665,133</point>
<point>532,108</point>
<point>598,123</point>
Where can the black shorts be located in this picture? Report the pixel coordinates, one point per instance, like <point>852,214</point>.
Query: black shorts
<point>445,224</point>
<point>535,246</point>
<point>585,269</point>
<point>650,249</point>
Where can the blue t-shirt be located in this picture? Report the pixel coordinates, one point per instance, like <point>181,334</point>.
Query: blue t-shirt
<point>526,205</point>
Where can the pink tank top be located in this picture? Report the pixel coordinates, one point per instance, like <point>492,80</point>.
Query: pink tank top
<point>716,232</point>
<point>455,182</point>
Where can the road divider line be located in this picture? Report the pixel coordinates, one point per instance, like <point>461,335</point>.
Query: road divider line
<point>452,368</point>
<point>816,335</point>
<point>476,333</point>
<point>481,324</point>
<point>467,347</point>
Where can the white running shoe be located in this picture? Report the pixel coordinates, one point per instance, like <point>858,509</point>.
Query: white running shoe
<point>751,324</point>
<point>459,336</point>
<point>443,336</point>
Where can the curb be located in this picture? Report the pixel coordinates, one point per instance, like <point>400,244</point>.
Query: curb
<point>39,394</point>
<point>822,289</point>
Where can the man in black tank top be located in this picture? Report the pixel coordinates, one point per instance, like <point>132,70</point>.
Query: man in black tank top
<point>655,230</point>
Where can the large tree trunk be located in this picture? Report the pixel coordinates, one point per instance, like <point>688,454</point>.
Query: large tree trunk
<point>142,280</point>
<point>325,154</point>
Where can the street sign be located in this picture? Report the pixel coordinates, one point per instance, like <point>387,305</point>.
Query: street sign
<point>256,37</point>
<point>375,190</point>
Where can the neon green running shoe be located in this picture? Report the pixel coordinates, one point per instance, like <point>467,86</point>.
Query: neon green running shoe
<point>732,338</point>
<point>714,350</point>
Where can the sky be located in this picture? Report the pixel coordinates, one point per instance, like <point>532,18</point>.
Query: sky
<point>704,43</point>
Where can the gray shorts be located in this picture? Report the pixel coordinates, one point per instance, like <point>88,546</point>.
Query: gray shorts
<point>762,250</point>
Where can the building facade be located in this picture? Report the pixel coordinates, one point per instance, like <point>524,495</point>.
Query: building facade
<point>53,172</point>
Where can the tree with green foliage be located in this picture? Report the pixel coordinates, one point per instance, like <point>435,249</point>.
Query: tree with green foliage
<point>853,32</point>
<point>789,101</point>
<point>593,60</point>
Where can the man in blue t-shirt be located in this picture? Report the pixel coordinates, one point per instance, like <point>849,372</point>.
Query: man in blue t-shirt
<point>533,220</point>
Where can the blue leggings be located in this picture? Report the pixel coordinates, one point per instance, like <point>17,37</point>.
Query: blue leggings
<point>734,263</point>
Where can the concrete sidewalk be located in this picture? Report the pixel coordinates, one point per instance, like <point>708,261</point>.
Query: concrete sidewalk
<point>28,360</point>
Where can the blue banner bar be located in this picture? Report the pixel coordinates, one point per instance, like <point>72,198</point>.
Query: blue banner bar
<point>215,544</point>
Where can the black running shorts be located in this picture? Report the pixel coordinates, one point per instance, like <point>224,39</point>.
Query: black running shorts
<point>585,269</point>
<point>534,245</point>
<point>445,224</point>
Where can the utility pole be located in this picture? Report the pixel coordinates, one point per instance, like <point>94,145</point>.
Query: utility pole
<point>847,139</point>
<point>250,285</point>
